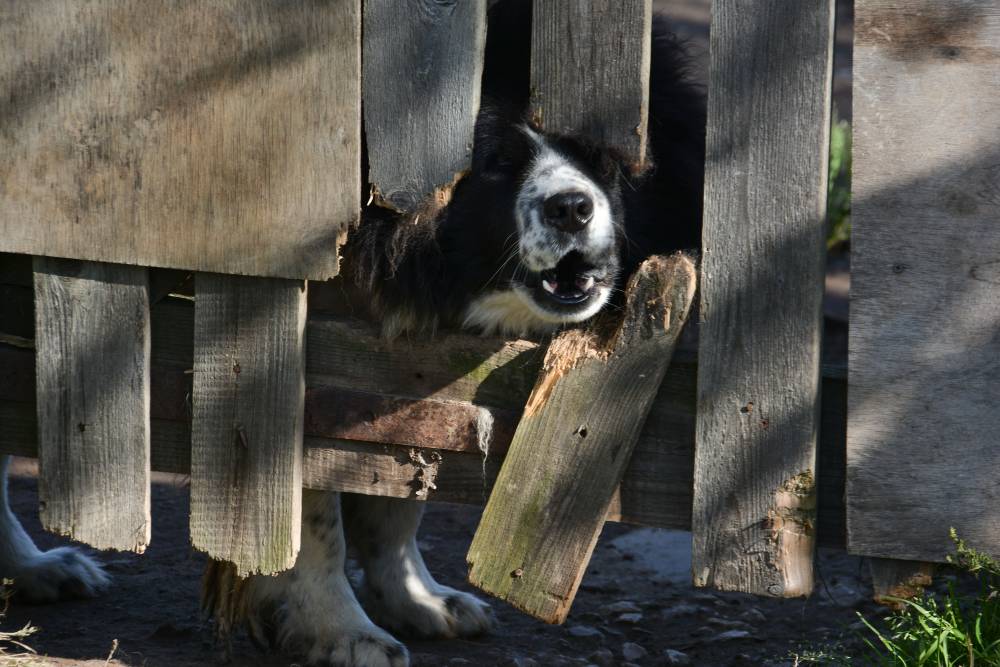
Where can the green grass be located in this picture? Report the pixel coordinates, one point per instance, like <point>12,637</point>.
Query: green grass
<point>838,200</point>
<point>946,629</point>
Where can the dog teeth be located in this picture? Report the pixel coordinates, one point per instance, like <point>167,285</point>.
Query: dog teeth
<point>549,287</point>
<point>586,283</point>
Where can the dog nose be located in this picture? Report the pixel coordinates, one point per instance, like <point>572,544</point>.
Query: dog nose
<point>568,211</point>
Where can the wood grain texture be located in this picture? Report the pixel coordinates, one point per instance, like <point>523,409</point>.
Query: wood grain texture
<point>590,72</point>
<point>761,293</point>
<point>925,302</point>
<point>177,134</point>
<point>655,491</point>
<point>92,334</point>
<point>423,60</point>
<point>246,438</point>
<point>573,444</point>
<point>896,580</point>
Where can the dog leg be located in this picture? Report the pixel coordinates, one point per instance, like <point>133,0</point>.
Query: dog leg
<point>311,610</point>
<point>42,576</point>
<point>399,592</point>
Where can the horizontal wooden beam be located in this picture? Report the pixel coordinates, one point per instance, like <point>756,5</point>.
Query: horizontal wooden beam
<point>478,378</point>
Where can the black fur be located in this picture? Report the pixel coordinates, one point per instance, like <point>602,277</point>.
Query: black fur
<point>427,272</point>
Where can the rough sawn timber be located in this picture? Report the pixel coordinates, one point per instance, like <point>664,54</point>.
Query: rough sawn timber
<point>423,60</point>
<point>590,72</point>
<point>573,444</point>
<point>347,354</point>
<point>922,446</point>
<point>92,336</point>
<point>248,410</point>
<point>761,295</point>
<point>200,134</point>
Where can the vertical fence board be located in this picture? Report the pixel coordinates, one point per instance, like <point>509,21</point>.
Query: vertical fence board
<point>590,71</point>
<point>175,134</point>
<point>92,336</point>
<point>423,61</point>
<point>573,444</point>
<point>925,290</point>
<point>246,437</point>
<point>761,285</point>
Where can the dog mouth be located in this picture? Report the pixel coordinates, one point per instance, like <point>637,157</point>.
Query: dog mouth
<point>571,283</point>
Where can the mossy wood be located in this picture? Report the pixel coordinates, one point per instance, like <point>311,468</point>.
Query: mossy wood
<point>92,334</point>
<point>246,431</point>
<point>573,444</point>
<point>763,243</point>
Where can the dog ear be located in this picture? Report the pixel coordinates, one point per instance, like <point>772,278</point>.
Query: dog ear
<point>501,149</point>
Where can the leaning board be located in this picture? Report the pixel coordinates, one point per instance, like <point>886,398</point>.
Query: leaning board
<point>923,422</point>
<point>177,134</point>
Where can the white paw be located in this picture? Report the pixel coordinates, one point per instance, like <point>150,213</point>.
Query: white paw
<point>440,612</point>
<point>372,647</point>
<point>57,574</point>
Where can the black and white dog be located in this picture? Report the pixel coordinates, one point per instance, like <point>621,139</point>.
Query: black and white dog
<point>540,234</point>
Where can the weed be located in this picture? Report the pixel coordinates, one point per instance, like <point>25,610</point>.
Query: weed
<point>838,201</point>
<point>946,629</point>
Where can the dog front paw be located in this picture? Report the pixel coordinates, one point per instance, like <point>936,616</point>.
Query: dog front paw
<point>58,574</point>
<point>370,647</point>
<point>440,612</point>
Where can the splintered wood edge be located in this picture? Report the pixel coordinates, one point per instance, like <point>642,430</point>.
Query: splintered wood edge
<point>658,297</point>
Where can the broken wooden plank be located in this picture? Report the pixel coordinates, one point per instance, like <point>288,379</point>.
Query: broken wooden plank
<point>453,368</point>
<point>246,438</point>
<point>176,134</point>
<point>761,292</point>
<point>896,580</point>
<point>573,444</point>
<point>92,334</point>
<point>590,72</point>
<point>924,352</point>
<point>423,61</point>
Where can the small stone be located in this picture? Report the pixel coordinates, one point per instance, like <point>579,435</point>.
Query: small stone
<point>632,651</point>
<point>726,624</point>
<point>674,658</point>
<point>729,635</point>
<point>632,619</point>
<point>754,615</point>
<point>602,657</point>
<point>458,662</point>
<point>678,610</point>
<point>622,607</point>
<point>585,632</point>
<point>519,661</point>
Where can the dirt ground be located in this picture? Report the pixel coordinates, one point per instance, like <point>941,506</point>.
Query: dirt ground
<point>635,601</point>
<point>635,606</point>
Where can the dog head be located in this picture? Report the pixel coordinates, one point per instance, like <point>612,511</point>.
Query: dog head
<point>546,216</point>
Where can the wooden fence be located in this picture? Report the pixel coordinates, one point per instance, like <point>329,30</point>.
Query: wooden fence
<point>138,141</point>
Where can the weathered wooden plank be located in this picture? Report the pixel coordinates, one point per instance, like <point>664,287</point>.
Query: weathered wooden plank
<point>762,286</point>
<point>894,580</point>
<point>655,491</point>
<point>573,444</point>
<point>590,71</point>
<point>453,425</point>
<point>176,134</point>
<point>423,61</point>
<point>924,349</point>
<point>92,335</point>
<point>246,438</point>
